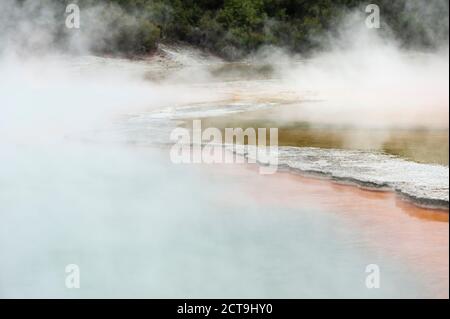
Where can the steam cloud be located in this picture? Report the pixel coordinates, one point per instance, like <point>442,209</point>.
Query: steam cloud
<point>52,89</point>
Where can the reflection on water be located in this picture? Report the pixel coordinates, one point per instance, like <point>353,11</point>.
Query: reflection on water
<point>423,145</point>
<point>140,227</point>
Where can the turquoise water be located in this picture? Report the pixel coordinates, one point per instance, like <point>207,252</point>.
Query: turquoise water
<point>138,226</point>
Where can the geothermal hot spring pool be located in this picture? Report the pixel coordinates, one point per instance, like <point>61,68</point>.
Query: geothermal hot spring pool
<point>86,179</point>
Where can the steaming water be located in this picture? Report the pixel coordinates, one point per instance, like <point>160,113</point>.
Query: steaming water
<point>424,184</point>
<point>139,226</point>
<point>199,111</point>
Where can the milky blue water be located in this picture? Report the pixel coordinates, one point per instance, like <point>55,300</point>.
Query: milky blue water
<point>138,226</point>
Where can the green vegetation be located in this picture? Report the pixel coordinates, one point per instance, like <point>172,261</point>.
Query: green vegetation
<point>233,28</point>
